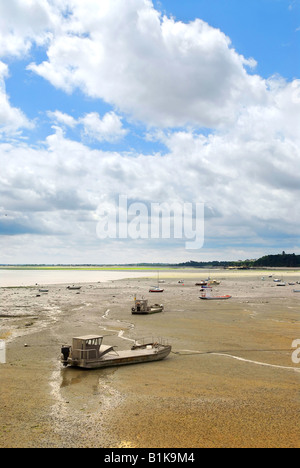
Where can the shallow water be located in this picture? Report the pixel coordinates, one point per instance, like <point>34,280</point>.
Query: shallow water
<point>19,278</point>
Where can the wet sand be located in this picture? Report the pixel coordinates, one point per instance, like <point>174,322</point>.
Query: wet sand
<point>229,382</point>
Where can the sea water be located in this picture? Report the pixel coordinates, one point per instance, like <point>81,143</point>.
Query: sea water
<point>19,278</point>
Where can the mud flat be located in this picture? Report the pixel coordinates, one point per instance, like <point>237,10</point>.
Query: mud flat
<point>229,382</point>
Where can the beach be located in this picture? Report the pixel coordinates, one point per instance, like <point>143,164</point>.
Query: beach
<point>229,382</point>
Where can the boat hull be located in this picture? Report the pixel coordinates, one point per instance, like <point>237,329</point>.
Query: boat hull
<point>149,312</point>
<point>221,298</point>
<point>138,356</point>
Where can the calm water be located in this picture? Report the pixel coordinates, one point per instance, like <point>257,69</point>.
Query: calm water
<point>10,278</point>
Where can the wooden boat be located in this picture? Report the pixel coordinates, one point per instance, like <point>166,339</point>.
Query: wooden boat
<point>141,307</point>
<point>88,352</point>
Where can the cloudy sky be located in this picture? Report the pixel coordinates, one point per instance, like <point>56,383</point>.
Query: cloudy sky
<point>156,101</point>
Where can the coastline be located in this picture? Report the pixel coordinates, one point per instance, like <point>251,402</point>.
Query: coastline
<point>229,381</point>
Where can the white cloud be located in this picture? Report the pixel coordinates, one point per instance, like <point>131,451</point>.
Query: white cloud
<point>160,71</point>
<point>109,128</point>
<point>12,120</point>
<point>63,118</point>
<point>166,74</point>
<point>25,21</point>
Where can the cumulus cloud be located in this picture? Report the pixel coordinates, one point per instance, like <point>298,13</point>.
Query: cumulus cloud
<point>11,118</point>
<point>158,70</point>
<point>166,74</point>
<point>23,22</point>
<point>108,128</point>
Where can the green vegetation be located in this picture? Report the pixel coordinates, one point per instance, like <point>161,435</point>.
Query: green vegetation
<point>280,261</point>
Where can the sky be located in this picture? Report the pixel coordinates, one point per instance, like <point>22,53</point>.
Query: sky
<point>157,102</point>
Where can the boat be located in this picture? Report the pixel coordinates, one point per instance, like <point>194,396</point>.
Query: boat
<point>281,284</point>
<point>208,297</point>
<point>74,288</point>
<point>88,352</point>
<point>156,289</point>
<point>141,307</point>
<point>296,290</point>
<point>201,283</point>
<point>43,290</point>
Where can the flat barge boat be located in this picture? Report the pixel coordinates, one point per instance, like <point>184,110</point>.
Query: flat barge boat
<point>88,352</point>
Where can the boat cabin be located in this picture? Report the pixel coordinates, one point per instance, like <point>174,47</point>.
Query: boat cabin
<point>86,347</point>
<point>141,306</point>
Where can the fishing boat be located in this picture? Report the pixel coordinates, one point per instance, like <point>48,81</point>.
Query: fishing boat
<point>88,352</point>
<point>141,307</point>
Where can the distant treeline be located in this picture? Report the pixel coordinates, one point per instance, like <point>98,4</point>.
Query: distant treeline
<point>281,260</point>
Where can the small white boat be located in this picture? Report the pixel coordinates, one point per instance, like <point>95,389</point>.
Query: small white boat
<point>156,289</point>
<point>88,352</point>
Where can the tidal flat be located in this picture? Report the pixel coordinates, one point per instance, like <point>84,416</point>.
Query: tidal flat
<point>229,382</point>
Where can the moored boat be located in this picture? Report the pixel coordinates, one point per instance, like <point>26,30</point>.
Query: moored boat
<point>156,289</point>
<point>214,298</point>
<point>88,352</point>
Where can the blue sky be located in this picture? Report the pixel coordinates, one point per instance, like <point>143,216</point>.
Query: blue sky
<point>164,102</point>
<point>263,29</point>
